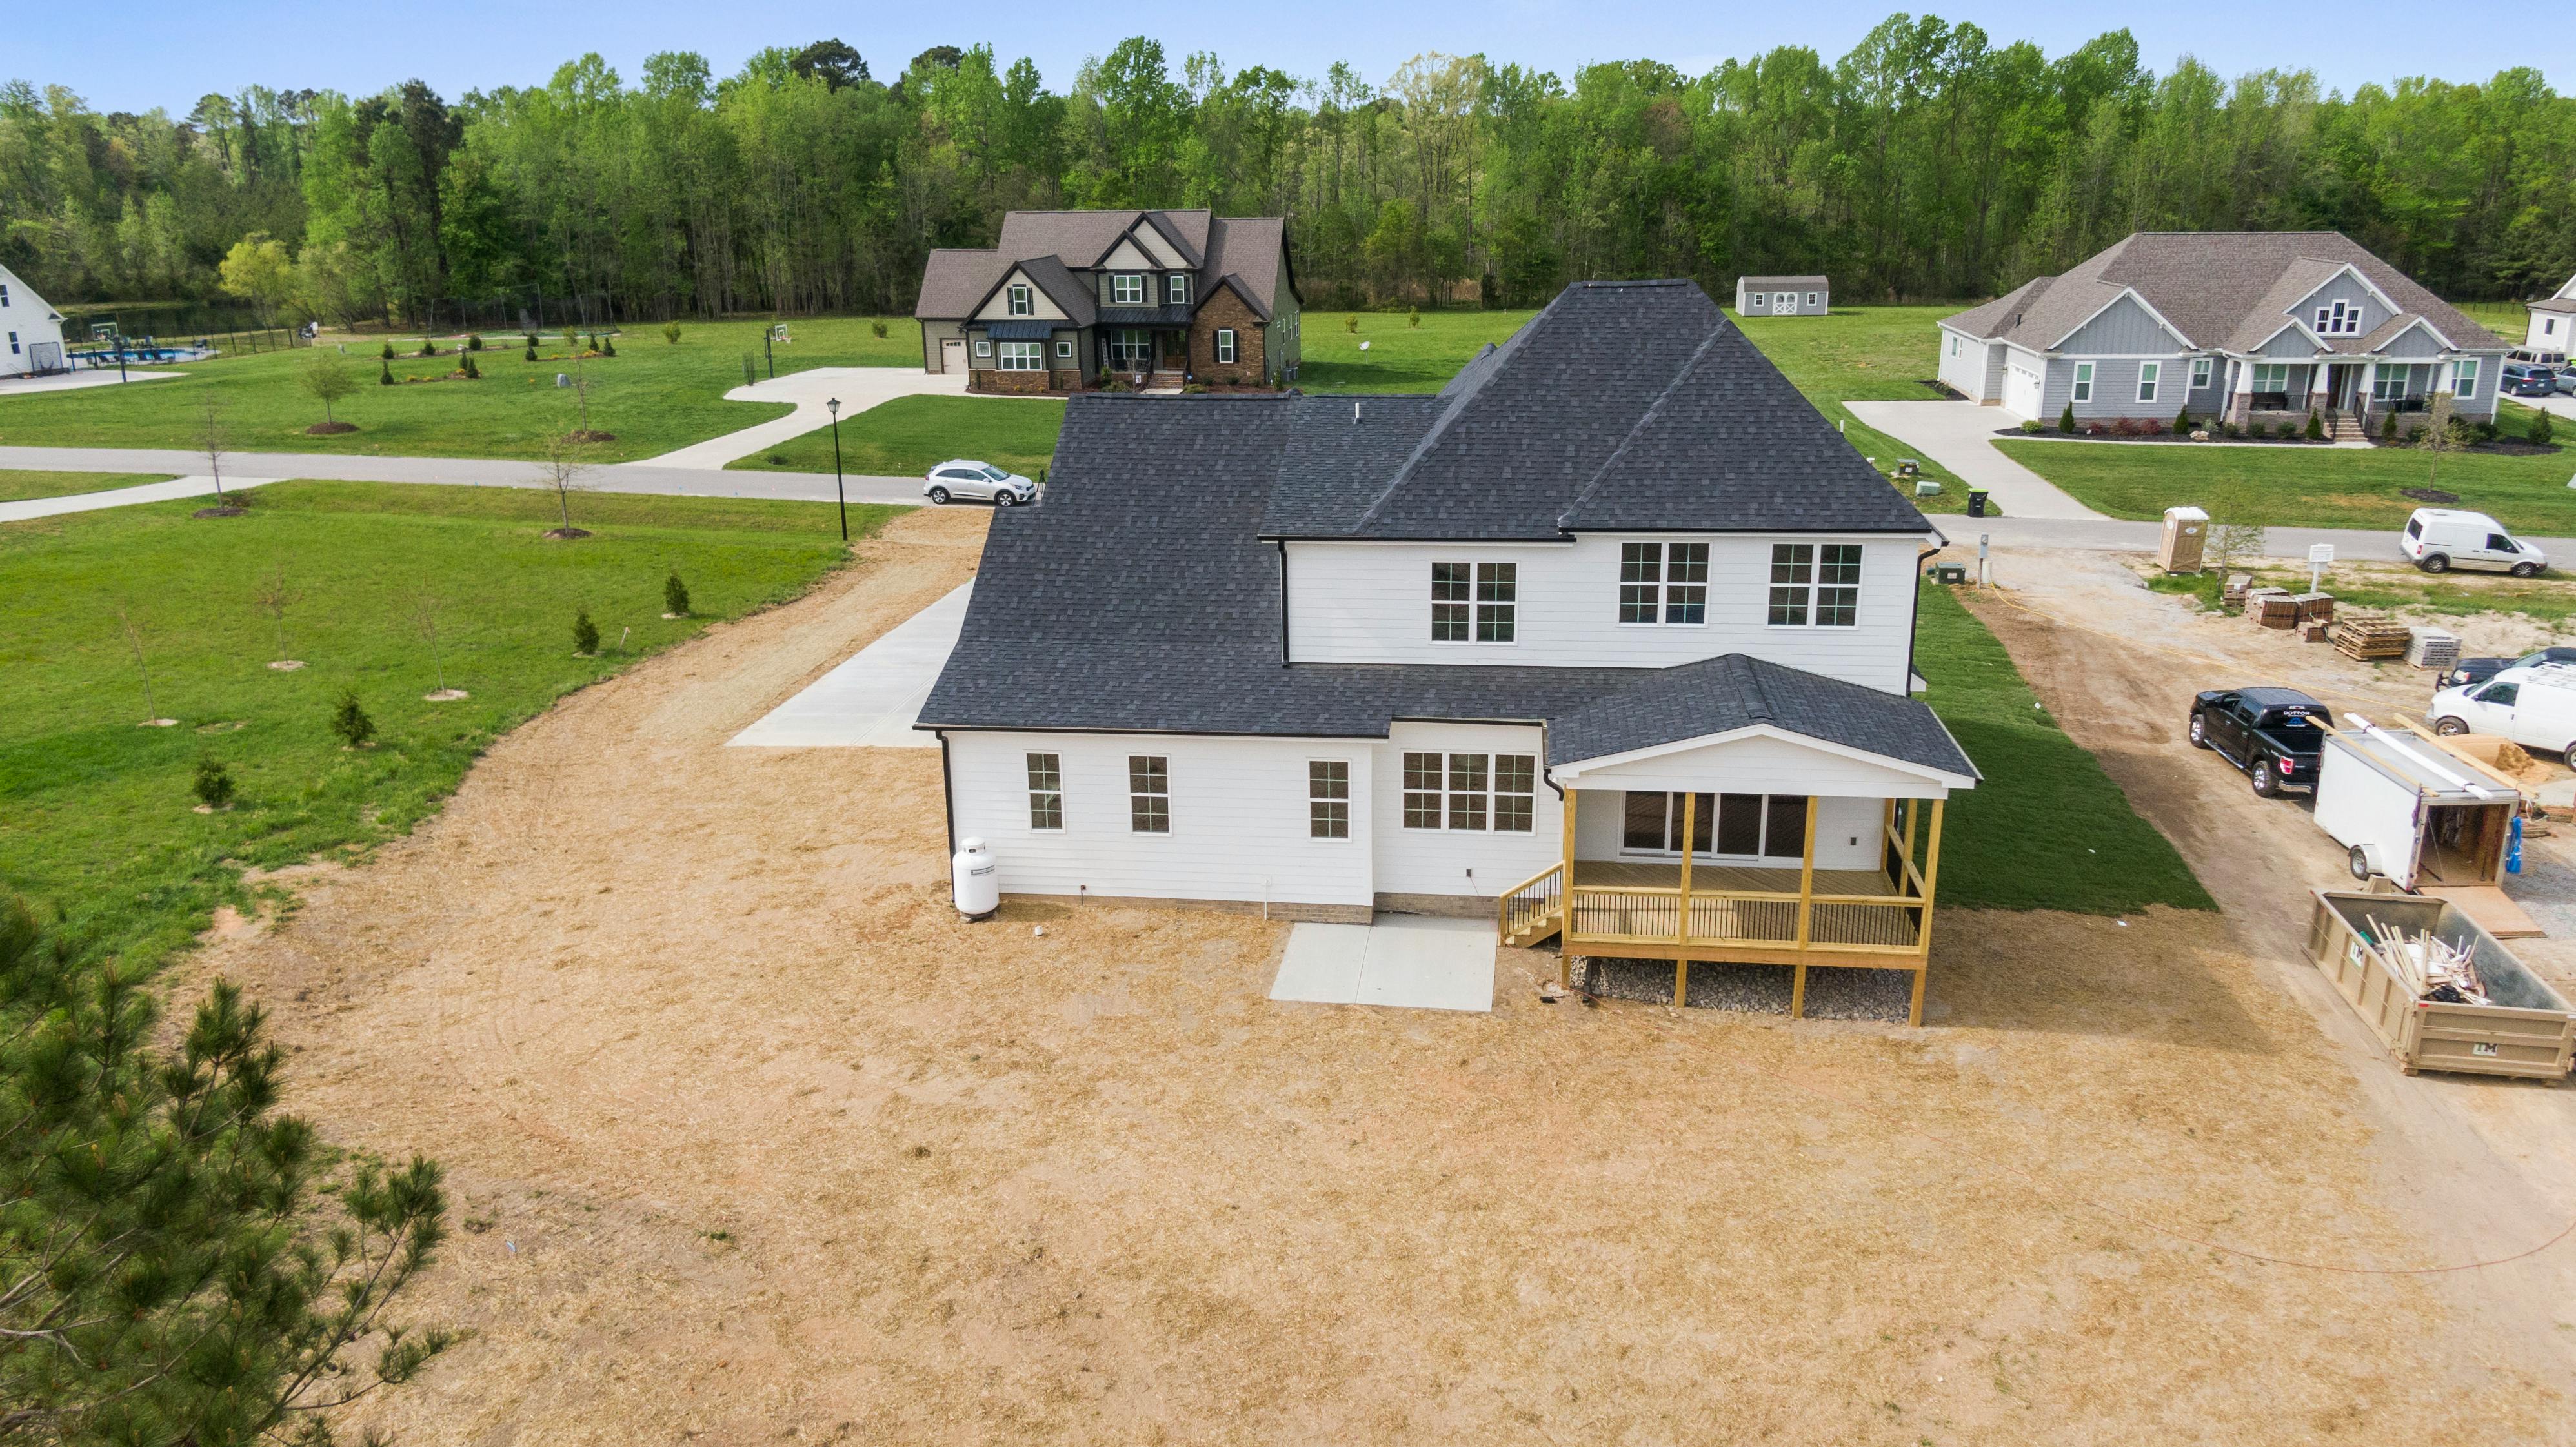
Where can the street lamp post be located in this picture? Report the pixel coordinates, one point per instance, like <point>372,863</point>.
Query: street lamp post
<point>833,406</point>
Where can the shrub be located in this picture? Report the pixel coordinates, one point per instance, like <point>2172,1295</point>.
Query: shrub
<point>671,333</point>
<point>349,720</point>
<point>2150,427</point>
<point>2387,426</point>
<point>2182,421</point>
<point>472,372</point>
<point>2095,429</point>
<point>2233,430</point>
<point>2033,427</point>
<point>675,595</point>
<point>1351,323</point>
<point>2486,430</point>
<point>877,329</point>
<point>532,349</point>
<point>389,351</point>
<point>214,783</point>
<point>385,373</point>
<point>1413,318</point>
<point>572,340</point>
<point>2415,435</point>
<point>585,634</point>
<point>474,342</point>
<point>2541,430</point>
<point>2066,420</point>
<point>608,346</point>
<point>2316,428</point>
<point>429,346</point>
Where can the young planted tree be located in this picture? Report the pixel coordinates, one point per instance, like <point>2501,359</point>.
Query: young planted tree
<point>671,333</point>
<point>2540,430</point>
<point>532,348</point>
<point>385,374</point>
<point>2235,523</point>
<point>675,596</point>
<point>274,597</point>
<point>213,785</point>
<point>877,330</point>
<point>178,1261</point>
<point>389,349</point>
<point>214,438</point>
<point>326,379</point>
<point>2066,420</point>
<point>585,634</point>
<point>2442,433</point>
<point>425,608</point>
<point>565,465</point>
<point>349,720</point>
<point>152,718</point>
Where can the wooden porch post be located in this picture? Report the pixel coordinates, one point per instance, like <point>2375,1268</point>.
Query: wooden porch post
<point>1681,930</point>
<point>1565,901</point>
<point>1913,816</point>
<point>1923,933</point>
<point>1806,906</point>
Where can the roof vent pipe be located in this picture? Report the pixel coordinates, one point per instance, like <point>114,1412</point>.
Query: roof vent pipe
<point>1355,414</point>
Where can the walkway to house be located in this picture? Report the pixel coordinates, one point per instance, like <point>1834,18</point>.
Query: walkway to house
<point>1961,437</point>
<point>871,699</point>
<point>858,388</point>
<point>1412,961</point>
<point>197,486</point>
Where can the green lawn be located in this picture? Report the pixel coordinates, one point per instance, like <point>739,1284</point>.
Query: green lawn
<point>910,435</point>
<point>654,395</point>
<point>2312,487</point>
<point>19,486</point>
<point>1400,357</point>
<point>2507,319</point>
<point>1864,354</point>
<point>96,813</point>
<point>2046,829</point>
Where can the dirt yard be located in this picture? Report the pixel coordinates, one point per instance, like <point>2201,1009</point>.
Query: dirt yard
<point>753,1141</point>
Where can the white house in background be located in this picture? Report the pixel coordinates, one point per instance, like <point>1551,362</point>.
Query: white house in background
<point>1783,296</point>
<point>31,332</point>
<point>2552,325</point>
<point>1611,639</point>
<point>2251,327</point>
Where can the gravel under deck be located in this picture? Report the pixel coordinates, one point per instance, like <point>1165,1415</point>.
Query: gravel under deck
<point>1832,994</point>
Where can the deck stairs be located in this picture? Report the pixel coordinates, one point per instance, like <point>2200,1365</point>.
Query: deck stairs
<point>2343,426</point>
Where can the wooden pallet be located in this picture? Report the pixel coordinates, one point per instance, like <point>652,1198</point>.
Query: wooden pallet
<point>2371,639</point>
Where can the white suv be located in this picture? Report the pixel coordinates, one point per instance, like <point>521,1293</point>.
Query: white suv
<point>2438,539</point>
<point>963,477</point>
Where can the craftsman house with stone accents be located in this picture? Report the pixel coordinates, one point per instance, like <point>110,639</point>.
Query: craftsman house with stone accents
<point>1156,299</point>
<point>2248,327</point>
<point>1610,641</point>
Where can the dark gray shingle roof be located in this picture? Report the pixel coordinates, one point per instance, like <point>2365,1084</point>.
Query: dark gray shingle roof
<point>1774,283</point>
<point>1731,692</point>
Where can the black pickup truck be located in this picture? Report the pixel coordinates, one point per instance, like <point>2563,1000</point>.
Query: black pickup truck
<point>2270,733</point>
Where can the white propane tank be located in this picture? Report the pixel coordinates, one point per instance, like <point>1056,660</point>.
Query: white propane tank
<point>977,880</point>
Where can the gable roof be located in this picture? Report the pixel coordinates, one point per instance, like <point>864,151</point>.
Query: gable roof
<point>1140,597</point>
<point>1248,253</point>
<point>1049,275</point>
<point>1732,692</point>
<point>955,280</point>
<point>2211,286</point>
<point>1816,283</point>
<point>1631,405</point>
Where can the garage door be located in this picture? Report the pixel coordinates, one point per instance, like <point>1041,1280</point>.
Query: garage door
<point>2021,391</point>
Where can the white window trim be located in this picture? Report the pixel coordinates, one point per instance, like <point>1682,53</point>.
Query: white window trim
<point>1023,357</point>
<point>1475,603</point>
<point>1176,289</point>
<point>1035,793</point>
<point>2082,390</point>
<point>1813,587</point>
<point>1225,346</point>
<point>1811,298</point>
<point>983,346</point>
<point>2464,378</point>
<point>2150,379</point>
<point>1662,587</point>
<point>2200,373</point>
<point>1020,303</point>
<point>1490,794</point>
<point>1134,794</point>
<point>1118,283</point>
<point>1346,801</point>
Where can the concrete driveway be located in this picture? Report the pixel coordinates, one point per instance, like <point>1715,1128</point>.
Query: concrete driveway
<point>1961,437</point>
<point>858,388</point>
<point>870,700</point>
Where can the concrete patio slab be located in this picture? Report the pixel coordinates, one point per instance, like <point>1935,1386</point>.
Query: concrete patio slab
<point>1406,961</point>
<point>76,381</point>
<point>871,699</point>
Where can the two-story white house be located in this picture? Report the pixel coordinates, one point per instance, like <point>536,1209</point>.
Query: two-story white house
<point>1611,638</point>
<point>31,332</point>
<point>2550,327</point>
<point>2254,328</point>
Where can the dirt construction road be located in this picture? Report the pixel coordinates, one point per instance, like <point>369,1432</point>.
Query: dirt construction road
<point>753,1141</point>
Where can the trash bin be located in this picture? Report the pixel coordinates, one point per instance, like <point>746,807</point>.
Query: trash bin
<point>2186,531</point>
<point>1976,503</point>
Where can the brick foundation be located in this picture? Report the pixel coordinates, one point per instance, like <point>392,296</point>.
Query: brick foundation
<point>996,380</point>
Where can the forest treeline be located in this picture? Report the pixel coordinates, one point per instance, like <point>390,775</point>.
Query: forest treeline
<point>1930,162</point>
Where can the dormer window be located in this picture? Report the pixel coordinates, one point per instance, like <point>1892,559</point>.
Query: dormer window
<point>1126,288</point>
<point>1177,289</point>
<point>1020,305</point>
<point>2341,319</point>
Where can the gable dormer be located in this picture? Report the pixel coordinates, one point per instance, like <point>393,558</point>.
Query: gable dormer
<point>1018,296</point>
<point>2345,307</point>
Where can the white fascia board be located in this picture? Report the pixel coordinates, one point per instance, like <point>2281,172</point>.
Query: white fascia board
<point>2345,269</point>
<point>1572,772</point>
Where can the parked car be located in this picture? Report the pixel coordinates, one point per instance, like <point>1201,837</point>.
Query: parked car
<point>2566,380</point>
<point>2438,539</point>
<point>2529,379</point>
<point>2534,707</point>
<point>2543,356</point>
<point>2273,734</point>
<point>2479,670</point>
<point>964,477</point>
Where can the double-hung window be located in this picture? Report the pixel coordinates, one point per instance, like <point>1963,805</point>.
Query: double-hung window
<point>1815,585</point>
<point>2084,381</point>
<point>1328,799</point>
<point>2272,377</point>
<point>1496,793</point>
<point>1023,356</point>
<point>2388,383</point>
<point>1046,792</point>
<point>1475,602</point>
<point>2149,374</point>
<point>1149,794</point>
<point>1020,304</point>
<point>1126,289</point>
<point>2200,374</point>
<point>1225,345</point>
<point>1663,583</point>
<point>1176,288</point>
<point>2464,378</point>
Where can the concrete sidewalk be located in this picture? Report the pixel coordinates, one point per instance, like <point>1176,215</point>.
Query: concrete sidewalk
<point>871,699</point>
<point>177,487</point>
<point>858,388</point>
<point>634,477</point>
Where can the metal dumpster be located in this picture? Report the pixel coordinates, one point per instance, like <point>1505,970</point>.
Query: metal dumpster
<point>2527,1031</point>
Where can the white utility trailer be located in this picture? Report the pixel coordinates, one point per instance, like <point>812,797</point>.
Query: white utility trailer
<point>2427,820</point>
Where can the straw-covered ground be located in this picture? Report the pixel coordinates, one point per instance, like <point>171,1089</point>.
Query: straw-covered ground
<point>753,1140</point>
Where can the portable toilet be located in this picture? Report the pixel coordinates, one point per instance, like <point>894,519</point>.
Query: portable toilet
<point>2186,533</point>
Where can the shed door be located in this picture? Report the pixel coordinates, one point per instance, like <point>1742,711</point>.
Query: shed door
<point>2021,390</point>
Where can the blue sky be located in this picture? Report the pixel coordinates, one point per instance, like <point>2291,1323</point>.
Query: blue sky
<point>135,54</point>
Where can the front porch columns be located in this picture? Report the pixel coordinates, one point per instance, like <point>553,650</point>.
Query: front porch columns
<point>1923,932</point>
<point>1806,906</point>
<point>1681,928</point>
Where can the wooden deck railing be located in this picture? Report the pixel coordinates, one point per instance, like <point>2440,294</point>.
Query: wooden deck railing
<point>1533,907</point>
<point>1646,916</point>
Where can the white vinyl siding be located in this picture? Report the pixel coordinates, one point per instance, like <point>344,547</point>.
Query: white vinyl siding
<point>1439,861</point>
<point>1239,809</point>
<point>1366,603</point>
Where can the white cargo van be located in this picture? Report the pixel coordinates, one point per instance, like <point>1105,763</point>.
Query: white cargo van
<point>2534,707</point>
<point>2439,539</point>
